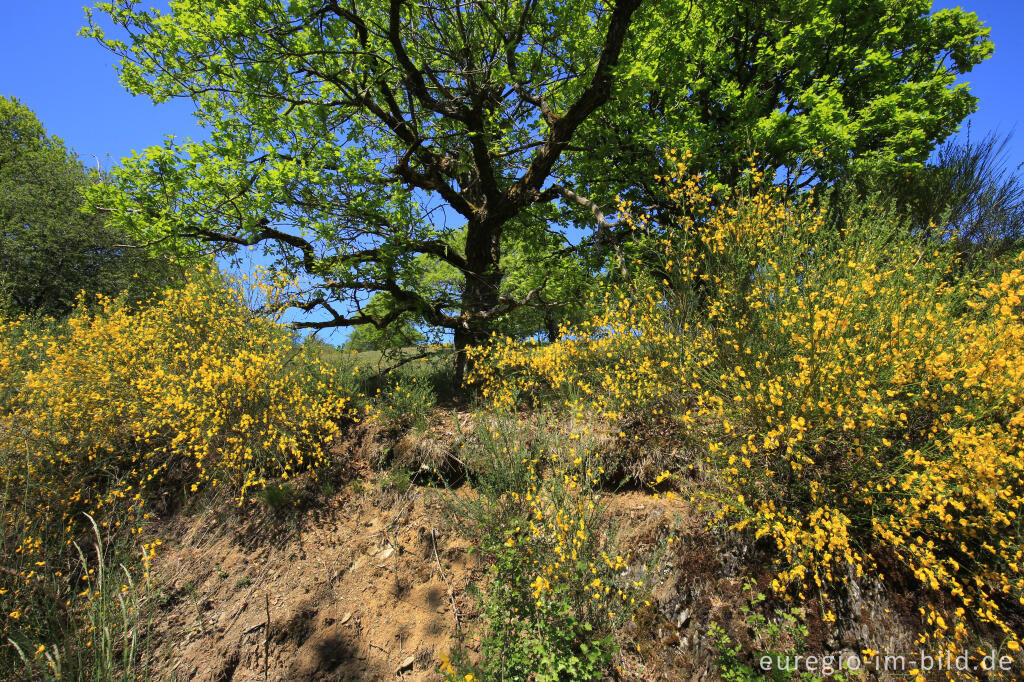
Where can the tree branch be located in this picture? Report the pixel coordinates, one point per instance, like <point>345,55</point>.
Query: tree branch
<point>604,228</point>
<point>595,94</point>
<point>413,77</point>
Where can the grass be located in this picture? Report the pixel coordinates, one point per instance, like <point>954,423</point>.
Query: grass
<point>116,639</point>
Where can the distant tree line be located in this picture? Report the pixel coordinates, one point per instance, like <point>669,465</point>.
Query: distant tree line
<point>51,248</point>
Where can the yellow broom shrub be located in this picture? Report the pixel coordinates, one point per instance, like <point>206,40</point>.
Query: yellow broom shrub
<point>116,405</point>
<point>860,392</point>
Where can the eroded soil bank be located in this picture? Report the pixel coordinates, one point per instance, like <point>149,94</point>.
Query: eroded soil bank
<point>371,582</point>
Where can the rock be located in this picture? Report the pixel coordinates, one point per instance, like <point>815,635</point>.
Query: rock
<point>346,617</point>
<point>406,664</point>
<point>224,622</point>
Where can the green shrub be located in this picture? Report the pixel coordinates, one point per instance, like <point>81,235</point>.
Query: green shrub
<point>556,588</point>
<point>398,480</point>
<point>780,638</point>
<point>405,401</point>
<point>277,496</point>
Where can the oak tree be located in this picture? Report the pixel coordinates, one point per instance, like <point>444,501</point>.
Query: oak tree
<point>350,138</point>
<point>804,92</point>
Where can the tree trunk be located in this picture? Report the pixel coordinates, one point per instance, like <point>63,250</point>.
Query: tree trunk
<point>480,296</point>
<point>462,364</point>
<point>551,326</point>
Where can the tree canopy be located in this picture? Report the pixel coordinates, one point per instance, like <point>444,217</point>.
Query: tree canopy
<point>348,136</point>
<point>369,143</point>
<point>50,249</point>
<point>804,92</point>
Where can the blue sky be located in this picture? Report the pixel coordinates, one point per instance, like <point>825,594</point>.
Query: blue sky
<point>71,84</point>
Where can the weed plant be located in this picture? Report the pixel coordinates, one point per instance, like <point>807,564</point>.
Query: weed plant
<point>556,589</point>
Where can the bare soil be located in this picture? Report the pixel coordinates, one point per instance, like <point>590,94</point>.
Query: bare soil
<point>367,587</point>
<point>370,583</point>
